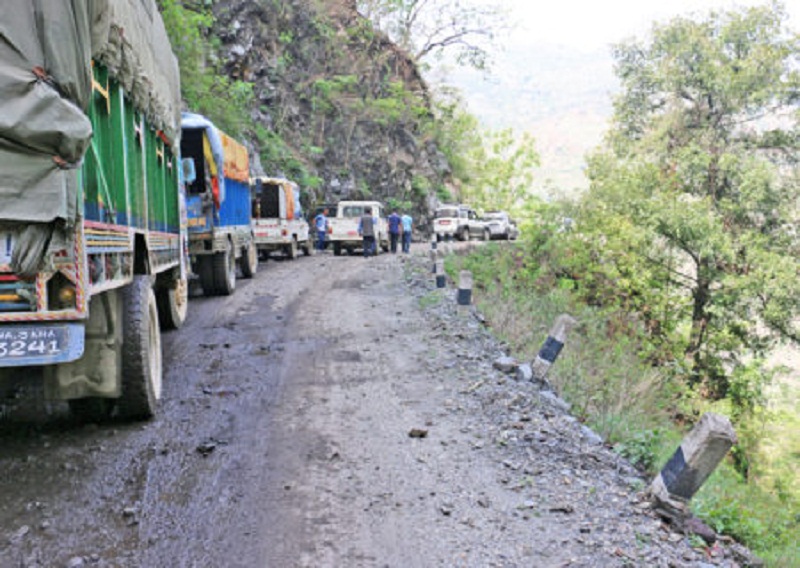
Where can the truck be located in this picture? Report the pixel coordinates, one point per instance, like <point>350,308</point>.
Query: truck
<point>92,229</point>
<point>278,221</point>
<point>343,228</point>
<point>459,222</point>
<point>218,204</point>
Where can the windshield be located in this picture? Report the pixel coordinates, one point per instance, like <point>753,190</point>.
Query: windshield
<point>446,212</point>
<point>353,211</point>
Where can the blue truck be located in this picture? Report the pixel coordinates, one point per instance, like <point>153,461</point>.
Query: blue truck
<point>219,206</point>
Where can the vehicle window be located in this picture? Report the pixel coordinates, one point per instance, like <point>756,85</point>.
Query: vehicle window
<point>353,211</point>
<point>449,212</point>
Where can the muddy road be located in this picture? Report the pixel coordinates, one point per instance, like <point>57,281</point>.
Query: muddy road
<point>334,411</point>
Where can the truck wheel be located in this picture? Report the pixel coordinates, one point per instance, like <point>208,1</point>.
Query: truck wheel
<point>173,304</point>
<point>141,351</point>
<point>438,238</point>
<point>337,249</point>
<point>291,249</point>
<point>205,270</point>
<point>463,235</point>
<point>224,271</point>
<point>249,262</point>
<point>91,409</point>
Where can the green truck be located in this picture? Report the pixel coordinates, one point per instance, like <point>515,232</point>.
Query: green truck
<point>93,251</point>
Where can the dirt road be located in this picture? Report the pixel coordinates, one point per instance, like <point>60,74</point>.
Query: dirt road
<point>335,411</point>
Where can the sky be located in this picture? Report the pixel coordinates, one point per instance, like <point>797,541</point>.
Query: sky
<point>593,24</point>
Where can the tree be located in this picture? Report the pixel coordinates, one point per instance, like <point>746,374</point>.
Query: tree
<point>432,27</point>
<point>696,194</point>
<point>501,173</point>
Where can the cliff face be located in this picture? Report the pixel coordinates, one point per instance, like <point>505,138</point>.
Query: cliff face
<point>337,103</point>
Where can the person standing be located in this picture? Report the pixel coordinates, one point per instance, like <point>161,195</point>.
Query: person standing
<point>394,231</point>
<point>321,225</point>
<point>406,222</point>
<point>366,228</point>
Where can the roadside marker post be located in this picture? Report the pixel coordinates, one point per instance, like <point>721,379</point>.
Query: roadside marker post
<point>552,346</point>
<point>440,276</point>
<point>696,458</point>
<point>464,297</point>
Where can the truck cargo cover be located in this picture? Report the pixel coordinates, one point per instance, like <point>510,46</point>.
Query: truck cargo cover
<point>46,53</point>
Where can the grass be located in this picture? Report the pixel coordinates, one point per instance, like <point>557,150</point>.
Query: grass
<point>630,405</point>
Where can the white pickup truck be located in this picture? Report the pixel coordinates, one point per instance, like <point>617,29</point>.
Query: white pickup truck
<point>343,228</point>
<point>278,223</point>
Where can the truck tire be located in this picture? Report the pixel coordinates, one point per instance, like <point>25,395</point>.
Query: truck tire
<point>173,304</point>
<point>249,261</point>
<point>141,351</point>
<point>224,268</point>
<point>92,409</point>
<point>291,249</point>
<point>337,249</point>
<point>205,270</point>
<point>463,235</point>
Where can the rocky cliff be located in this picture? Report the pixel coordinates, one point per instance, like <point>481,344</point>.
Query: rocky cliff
<point>336,103</point>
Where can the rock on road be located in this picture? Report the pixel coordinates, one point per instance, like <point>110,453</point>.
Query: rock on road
<point>332,412</point>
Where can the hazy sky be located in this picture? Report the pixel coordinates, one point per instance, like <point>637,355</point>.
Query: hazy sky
<point>591,24</point>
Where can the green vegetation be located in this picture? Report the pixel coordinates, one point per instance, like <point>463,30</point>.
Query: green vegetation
<point>204,88</point>
<point>680,263</point>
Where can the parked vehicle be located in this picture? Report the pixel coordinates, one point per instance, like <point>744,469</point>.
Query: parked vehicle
<point>92,235</point>
<point>219,205</point>
<point>500,225</point>
<point>343,228</point>
<point>459,222</point>
<point>278,221</point>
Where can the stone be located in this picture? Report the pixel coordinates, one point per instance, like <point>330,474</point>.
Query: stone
<point>505,364</point>
<point>524,372</point>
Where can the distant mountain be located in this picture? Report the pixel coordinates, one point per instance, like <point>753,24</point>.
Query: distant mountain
<point>562,95</point>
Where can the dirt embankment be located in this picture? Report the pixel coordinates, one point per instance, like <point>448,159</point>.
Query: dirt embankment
<point>335,411</point>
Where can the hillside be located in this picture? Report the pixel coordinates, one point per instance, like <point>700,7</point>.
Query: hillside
<point>337,105</point>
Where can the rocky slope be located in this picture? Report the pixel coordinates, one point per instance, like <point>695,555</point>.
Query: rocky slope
<point>336,98</point>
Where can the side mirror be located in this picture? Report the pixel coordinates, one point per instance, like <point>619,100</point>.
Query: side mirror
<point>188,171</point>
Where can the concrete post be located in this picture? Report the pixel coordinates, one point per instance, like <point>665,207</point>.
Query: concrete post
<point>440,276</point>
<point>695,459</point>
<point>465,288</point>
<point>434,255</point>
<point>552,346</point>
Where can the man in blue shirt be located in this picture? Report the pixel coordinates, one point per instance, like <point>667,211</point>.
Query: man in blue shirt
<point>394,231</point>
<point>321,224</point>
<point>406,222</point>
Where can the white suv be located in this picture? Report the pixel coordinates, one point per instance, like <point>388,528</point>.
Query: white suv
<point>500,225</point>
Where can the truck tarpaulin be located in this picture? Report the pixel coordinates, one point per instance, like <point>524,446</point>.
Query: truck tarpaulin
<point>46,53</point>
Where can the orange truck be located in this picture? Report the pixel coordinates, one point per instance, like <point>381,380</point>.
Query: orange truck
<point>278,221</point>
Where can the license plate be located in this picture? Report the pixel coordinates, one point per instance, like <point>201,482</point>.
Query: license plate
<point>38,345</point>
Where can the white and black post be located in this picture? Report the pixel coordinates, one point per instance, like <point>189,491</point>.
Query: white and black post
<point>464,297</point>
<point>695,459</point>
<point>439,270</point>
<point>552,346</point>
